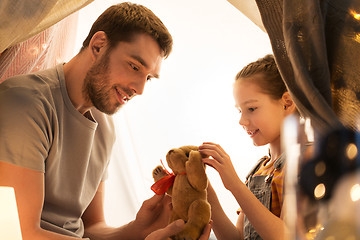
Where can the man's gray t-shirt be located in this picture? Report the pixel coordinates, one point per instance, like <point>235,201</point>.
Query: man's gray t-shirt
<point>41,130</point>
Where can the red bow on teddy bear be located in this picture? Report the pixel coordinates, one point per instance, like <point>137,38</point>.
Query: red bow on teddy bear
<point>162,185</point>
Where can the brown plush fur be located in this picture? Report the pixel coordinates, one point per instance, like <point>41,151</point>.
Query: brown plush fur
<point>189,196</point>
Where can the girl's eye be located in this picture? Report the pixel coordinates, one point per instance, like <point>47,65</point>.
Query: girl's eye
<point>251,109</point>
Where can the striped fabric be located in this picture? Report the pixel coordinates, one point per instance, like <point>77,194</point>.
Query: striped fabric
<point>267,168</point>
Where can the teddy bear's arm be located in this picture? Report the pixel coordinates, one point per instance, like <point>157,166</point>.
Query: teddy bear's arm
<point>195,171</point>
<point>158,173</point>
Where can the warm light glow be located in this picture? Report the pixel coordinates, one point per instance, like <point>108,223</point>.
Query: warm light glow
<point>357,38</point>
<point>320,168</point>
<point>319,191</point>
<point>313,232</point>
<point>9,218</point>
<point>351,151</point>
<point>355,14</point>
<point>355,193</point>
<point>330,238</point>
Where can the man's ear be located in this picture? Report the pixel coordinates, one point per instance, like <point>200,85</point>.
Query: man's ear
<point>98,44</point>
<point>289,105</point>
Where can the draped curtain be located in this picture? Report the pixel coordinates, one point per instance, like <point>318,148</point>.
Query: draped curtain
<point>316,45</point>
<point>36,34</point>
<point>21,19</point>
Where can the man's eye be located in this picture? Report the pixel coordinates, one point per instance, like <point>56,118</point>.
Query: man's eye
<point>134,67</point>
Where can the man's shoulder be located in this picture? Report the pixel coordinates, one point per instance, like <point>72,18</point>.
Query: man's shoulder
<point>31,92</point>
<point>32,85</point>
<point>33,80</point>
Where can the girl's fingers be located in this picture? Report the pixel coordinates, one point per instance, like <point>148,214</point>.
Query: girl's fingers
<point>212,163</point>
<point>214,154</point>
<point>213,146</point>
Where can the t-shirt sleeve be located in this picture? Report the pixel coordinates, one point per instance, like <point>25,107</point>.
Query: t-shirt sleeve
<point>24,129</point>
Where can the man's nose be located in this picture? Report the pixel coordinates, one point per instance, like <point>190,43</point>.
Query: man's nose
<point>138,86</point>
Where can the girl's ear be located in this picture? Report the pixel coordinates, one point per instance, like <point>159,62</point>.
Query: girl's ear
<point>98,43</point>
<point>289,105</point>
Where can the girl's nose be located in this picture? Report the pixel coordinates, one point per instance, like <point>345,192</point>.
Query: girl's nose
<point>243,121</point>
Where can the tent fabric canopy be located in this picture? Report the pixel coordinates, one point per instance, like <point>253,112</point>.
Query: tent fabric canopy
<point>36,34</point>
<point>21,20</point>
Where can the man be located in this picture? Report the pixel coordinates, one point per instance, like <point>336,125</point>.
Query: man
<point>56,135</point>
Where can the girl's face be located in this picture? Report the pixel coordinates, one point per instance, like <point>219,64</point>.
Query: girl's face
<point>261,115</point>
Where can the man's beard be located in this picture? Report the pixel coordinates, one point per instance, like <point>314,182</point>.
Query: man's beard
<point>96,87</point>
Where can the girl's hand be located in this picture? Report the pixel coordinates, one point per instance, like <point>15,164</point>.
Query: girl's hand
<point>215,156</point>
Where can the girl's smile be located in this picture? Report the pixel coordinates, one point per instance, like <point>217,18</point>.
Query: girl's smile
<point>252,133</point>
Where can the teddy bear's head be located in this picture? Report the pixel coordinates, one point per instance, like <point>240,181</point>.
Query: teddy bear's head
<point>177,157</point>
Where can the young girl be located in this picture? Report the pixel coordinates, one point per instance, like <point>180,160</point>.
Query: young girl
<point>263,101</point>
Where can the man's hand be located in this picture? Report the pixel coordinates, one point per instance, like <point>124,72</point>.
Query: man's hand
<point>207,230</point>
<point>154,214</point>
<point>174,228</point>
<point>164,233</point>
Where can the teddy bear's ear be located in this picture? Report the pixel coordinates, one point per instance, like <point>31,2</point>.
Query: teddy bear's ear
<point>188,148</point>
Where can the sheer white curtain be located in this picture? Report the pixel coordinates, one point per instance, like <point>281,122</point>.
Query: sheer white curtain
<point>192,101</point>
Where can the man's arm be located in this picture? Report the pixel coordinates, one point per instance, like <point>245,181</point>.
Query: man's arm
<point>29,192</point>
<point>153,215</point>
<point>95,225</point>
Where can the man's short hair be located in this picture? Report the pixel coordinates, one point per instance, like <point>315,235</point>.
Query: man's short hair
<point>122,21</point>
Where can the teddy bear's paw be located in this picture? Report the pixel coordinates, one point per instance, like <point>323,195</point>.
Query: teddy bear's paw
<point>159,173</point>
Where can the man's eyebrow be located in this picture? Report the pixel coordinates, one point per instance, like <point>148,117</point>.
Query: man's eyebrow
<point>140,60</point>
<point>156,75</point>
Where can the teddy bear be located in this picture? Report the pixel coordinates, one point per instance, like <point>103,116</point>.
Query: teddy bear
<point>187,188</point>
